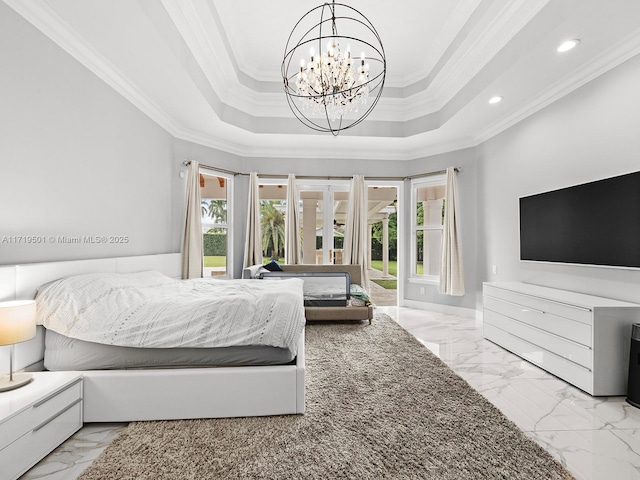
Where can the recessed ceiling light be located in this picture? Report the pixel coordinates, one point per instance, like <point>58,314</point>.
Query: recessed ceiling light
<point>495,99</point>
<point>568,45</point>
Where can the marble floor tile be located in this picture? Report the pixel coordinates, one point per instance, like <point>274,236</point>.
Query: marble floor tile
<point>595,454</point>
<point>594,437</point>
<point>70,459</point>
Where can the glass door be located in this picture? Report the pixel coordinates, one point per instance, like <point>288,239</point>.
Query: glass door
<point>215,191</point>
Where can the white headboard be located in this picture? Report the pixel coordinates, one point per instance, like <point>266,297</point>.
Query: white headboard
<point>19,282</point>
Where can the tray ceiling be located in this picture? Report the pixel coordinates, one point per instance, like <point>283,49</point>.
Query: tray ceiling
<point>208,71</point>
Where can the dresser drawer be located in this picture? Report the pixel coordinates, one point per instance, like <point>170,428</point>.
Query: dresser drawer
<point>40,411</point>
<point>559,346</point>
<point>572,312</point>
<point>575,331</point>
<point>26,451</point>
<point>571,372</point>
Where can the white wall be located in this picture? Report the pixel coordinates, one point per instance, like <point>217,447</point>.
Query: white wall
<point>76,158</point>
<point>466,161</point>
<point>590,134</point>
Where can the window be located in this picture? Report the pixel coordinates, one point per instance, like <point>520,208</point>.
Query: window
<point>215,192</point>
<point>273,209</point>
<point>427,222</point>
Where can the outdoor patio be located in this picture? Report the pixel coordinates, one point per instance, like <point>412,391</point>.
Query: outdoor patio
<point>381,297</point>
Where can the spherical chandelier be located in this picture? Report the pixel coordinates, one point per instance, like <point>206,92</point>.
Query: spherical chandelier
<point>327,88</point>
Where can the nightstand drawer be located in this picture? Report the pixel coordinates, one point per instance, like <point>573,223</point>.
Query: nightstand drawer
<point>26,451</point>
<point>39,412</point>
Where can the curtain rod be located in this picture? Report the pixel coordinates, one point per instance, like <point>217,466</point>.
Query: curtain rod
<point>320,177</point>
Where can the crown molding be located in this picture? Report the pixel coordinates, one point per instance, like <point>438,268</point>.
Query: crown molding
<point>618,54</point>
<point>238,142</point>
<point>494,36</point>
<point>439,148</point>
<point>213,62</point>
<point>450,30</point>
<point>45,19</point>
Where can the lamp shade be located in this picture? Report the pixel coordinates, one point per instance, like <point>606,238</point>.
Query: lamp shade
<point>17,321</point>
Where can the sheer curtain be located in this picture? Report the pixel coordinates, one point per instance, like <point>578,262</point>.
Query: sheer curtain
<point>292,249</point>
<point>451,274</point>
<point>192,238</point>
<point>355,237</point>
<point>253,245</point>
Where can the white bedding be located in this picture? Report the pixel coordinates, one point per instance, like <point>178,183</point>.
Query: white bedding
<point>149,309</point>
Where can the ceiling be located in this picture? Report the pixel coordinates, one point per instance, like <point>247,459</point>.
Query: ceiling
<point>208,71</point>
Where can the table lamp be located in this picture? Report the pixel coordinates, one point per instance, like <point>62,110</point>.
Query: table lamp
<point>17,324</point>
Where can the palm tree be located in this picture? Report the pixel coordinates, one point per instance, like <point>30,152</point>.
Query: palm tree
<point>272,226</point>
<point>217,210</point>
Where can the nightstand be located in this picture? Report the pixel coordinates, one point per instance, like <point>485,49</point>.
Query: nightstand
<point>36,418</point>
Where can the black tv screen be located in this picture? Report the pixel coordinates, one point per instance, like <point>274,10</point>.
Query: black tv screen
<point>596,223</point>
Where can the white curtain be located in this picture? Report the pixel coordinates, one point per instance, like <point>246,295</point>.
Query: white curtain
<point>355,237</point>
<point>451,275</point>
<point>192,238</point>
<point>292,248</point>
<point>252,244</point>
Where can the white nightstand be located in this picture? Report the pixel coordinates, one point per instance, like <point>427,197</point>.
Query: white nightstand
<point>36,418</point>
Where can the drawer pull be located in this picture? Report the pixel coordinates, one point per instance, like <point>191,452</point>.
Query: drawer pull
<point>53,417</point>
<point>50,396</point>
<point>529,309</point>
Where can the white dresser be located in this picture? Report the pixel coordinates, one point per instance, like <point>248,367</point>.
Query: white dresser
<point>36,418</point>
<point>582,339</point>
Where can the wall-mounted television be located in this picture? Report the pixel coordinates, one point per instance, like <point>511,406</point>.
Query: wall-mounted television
<point>595,223</point>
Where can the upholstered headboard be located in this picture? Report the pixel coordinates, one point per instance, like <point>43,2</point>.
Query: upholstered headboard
<point>352,270</point>
<point>19,282</point>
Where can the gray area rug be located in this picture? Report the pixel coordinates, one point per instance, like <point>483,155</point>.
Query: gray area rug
<point>379,405</point>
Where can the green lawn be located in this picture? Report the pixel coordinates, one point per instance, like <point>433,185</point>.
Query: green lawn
<point>393,266</point>
<point>211,261</point>
<point>215,261</point>
<point>388,284</point>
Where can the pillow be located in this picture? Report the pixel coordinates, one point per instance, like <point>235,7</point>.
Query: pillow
<point>360,293</point>
<point>273,266</point>
<point>255,271</point>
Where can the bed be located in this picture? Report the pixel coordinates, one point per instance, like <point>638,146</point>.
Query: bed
<point>160,392</point>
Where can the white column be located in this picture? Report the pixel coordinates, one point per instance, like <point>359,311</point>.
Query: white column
<point>309,230</point>
<point>369,236</point>
<point>425,239</point>
<point>385,246</point>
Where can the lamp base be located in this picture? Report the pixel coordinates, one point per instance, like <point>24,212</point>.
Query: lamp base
<point>19,380</point>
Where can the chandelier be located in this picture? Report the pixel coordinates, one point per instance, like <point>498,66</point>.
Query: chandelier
<point>327,88</point>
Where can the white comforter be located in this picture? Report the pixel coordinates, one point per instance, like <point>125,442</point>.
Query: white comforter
<point>149,309</point>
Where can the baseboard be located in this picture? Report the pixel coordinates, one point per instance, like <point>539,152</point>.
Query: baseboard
<point>436,307</point>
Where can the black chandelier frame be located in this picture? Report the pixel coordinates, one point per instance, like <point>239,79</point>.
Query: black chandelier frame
<point>375,83</point>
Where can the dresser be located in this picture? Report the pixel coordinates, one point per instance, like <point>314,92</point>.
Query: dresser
<point>582,339</point>
<point>36,418</point>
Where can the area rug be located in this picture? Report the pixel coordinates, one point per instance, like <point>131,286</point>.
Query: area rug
<point>379,405</point>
